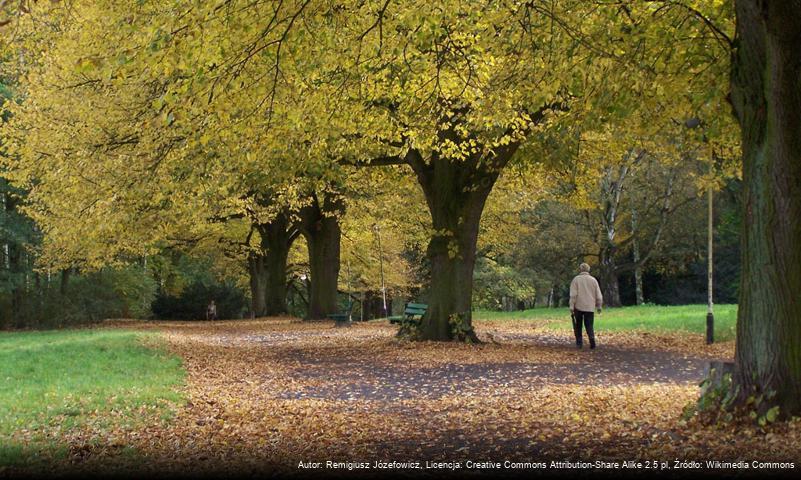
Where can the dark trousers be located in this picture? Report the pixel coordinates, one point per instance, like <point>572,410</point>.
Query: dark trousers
<point>587,319</point>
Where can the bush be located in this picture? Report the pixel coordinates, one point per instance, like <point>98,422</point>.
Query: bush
<point>91,297</point>
<point>191,303</point>
<point>495,286</point>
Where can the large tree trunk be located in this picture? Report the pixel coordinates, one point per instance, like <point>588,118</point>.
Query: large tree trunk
<point>276,240</point>
<point>320,227</point>
<point>451,283</point>
<point>455,193</point>
<point>267,267</point>
<point>766,94</point>
<point>258,284</point>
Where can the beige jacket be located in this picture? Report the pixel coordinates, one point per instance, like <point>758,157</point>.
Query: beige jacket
<point>585,294</point>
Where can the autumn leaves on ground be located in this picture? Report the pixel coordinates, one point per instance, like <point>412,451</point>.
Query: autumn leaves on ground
<point>267,394</point>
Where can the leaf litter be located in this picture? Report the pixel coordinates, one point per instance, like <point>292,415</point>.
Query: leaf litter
<point>263,395</point>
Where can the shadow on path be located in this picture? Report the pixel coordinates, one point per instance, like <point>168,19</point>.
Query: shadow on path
<point>349,374</point>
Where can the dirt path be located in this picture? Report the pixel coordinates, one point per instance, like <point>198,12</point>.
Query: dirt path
<point>364,378</point>
<point>269,394</point>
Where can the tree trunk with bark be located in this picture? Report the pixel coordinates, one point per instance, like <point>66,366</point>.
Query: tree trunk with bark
<point>638,288</point>
<point>455,193</point>
<point>635,250</point>
<point>611,194</point>
<point>258,284</point>
<point>610,286</point>
<point>766,95</point>
<point>267,267</point>
<point>276,240</point>
<point>319,224</point>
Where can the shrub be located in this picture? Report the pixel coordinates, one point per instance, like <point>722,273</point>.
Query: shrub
<point>90,297</point>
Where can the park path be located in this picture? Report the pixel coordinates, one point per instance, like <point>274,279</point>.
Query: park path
<point>267,394</point>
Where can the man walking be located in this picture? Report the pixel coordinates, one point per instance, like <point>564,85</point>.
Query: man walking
<point>211,311</point>
<point>585,297</point>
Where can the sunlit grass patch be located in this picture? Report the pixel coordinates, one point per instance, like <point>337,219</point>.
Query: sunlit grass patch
<point>54,382</point>
<point>652,318</point>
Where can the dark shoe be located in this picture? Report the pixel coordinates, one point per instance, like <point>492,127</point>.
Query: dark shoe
<point>579,346</point>
<point>592,345</point>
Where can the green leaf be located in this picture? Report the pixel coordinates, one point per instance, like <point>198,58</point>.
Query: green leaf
<point>772,414</point>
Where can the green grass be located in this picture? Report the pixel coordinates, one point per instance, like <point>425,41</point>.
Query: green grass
<point>54,381</point>
<point>652,318</point>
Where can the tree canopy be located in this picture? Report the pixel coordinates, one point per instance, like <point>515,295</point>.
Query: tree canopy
<point>144,124</point>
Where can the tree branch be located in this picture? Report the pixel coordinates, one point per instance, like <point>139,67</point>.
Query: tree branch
<point>376,162</point>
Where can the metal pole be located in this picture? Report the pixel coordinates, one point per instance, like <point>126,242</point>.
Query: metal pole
<point>350,300</point>
<point>381,264</point>
<point>710,316</point>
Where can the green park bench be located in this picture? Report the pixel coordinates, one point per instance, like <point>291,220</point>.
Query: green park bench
<point>341,319</point>
<point>412,314</point>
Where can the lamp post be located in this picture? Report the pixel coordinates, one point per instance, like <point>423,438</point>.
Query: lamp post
<point>377,231</point>
<point>710,316</point>
<point>350,300</point>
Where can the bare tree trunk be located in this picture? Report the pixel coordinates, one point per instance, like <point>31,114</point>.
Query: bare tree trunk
<point>611,190</point>
<point>455,193</point>
<point>610,285</point>
<point>276,240</point>
<point>635,247</point>
<point>320,226</point>
<point>766,94</point>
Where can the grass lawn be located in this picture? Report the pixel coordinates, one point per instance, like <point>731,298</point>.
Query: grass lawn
<point>652,318</point>
<point>57,381</point>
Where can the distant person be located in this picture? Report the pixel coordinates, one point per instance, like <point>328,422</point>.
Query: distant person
<point>585,297</point>
<point>211,311</point>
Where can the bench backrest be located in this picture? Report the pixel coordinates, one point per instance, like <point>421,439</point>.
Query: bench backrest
<point>415,309</point>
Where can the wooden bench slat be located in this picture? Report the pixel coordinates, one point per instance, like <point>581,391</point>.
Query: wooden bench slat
<point>411,313</point>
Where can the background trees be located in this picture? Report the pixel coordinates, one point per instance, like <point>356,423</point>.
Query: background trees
<point>182,123</point>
